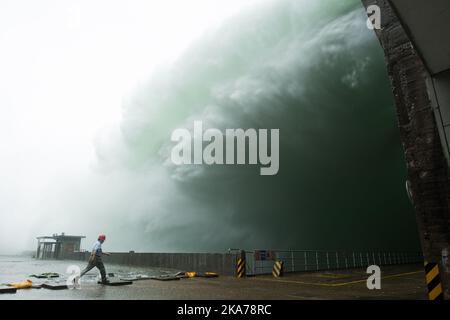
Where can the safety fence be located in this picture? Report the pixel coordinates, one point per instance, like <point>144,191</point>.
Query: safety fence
<point>262,261</point>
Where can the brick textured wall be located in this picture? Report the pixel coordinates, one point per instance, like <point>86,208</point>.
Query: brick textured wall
<point>428,172</point>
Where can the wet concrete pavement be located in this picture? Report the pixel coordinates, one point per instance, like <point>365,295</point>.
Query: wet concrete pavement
<point>397,282</point>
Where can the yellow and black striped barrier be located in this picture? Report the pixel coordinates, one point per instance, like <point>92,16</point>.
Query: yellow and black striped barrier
<point>278,269</point>
<point>240,267</point>
<point>433,281</point>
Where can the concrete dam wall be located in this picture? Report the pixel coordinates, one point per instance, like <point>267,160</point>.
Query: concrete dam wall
<point>222,263</point>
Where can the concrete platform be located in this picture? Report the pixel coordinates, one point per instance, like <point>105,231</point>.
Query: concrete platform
<point>397,282</point>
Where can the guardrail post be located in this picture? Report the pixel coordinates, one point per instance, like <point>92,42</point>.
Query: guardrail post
<point>278,269</point>
<point>240,265</point>
<point>354,260</point>
<point>317,260</point>
<point>306,261</point>
<point>433,280</point>
<point>337,260</point>
<point>292,259</point>
<point>328,262</point>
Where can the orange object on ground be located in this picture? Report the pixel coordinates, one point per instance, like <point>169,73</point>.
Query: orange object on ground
<point>22,285</point>
<point>191,274</point>
<point>211,274</point>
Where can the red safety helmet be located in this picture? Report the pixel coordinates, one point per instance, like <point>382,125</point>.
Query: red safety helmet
<point>102,237</point>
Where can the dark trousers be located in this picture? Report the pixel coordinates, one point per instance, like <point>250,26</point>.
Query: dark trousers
<point>96,262</point>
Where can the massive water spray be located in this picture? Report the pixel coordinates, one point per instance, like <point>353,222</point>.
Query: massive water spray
<point>309,68</point>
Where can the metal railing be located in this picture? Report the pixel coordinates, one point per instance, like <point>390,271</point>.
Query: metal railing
<point>261,261</point>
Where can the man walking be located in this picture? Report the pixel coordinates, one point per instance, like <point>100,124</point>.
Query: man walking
<point>95,260</point>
